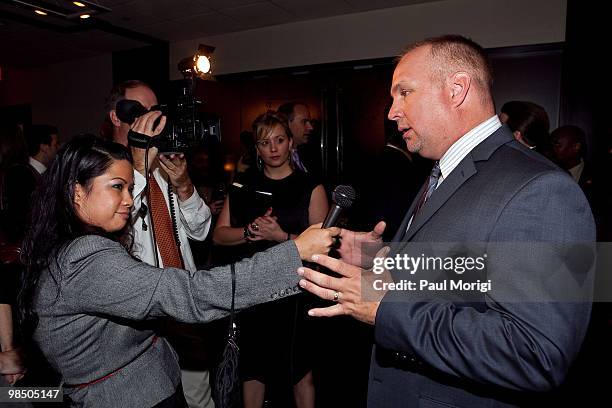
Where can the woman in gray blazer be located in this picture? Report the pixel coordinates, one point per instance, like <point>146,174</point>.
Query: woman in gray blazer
<point>84,297</point>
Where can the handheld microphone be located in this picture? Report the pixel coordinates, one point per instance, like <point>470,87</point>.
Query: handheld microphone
<point>342,199</point>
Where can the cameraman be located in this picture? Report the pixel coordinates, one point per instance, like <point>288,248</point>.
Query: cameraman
<point>155,244</point>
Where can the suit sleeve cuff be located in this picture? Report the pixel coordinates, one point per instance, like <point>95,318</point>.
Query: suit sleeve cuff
<point>392,322</point>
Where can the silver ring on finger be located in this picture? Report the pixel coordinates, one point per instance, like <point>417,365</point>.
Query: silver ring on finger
<point>336,296</point>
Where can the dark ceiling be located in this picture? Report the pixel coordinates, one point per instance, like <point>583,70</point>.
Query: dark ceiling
<point>30,40</point>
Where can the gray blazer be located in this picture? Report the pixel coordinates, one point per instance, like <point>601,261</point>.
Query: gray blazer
<point>505,344</point>
<point>92,301</point>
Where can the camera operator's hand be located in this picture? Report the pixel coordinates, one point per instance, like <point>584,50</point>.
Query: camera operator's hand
<point>146,125</point>
<point>175,167</point>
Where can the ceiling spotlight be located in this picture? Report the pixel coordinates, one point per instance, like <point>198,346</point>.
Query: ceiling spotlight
<point>84,16</point>
<point>202,58</point>
<point>78,4</point>
<point>199,64</point>
<point>40,12</point>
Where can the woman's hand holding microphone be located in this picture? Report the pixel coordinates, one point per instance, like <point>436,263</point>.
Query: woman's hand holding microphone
<point>316,240</point>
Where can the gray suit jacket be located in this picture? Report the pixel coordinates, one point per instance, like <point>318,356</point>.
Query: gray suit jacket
<point>92,301</point>
<point>506,344</point>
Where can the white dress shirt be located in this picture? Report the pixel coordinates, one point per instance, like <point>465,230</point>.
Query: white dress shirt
<point>38,166</point>
<point>576,171</point>
<point>193,219</point>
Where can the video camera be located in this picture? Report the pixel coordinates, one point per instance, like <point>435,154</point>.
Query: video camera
<point>185,126</point>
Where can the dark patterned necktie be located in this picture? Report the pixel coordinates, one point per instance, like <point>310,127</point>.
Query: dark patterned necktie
<point>164,231</point>
<point>432,183</point>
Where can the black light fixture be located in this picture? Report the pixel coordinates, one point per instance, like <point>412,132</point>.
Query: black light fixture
<point>66,9</point>
<point>199,64</point>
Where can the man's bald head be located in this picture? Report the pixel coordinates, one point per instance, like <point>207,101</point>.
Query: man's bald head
<point>455,53</point>
<point>441,89</point>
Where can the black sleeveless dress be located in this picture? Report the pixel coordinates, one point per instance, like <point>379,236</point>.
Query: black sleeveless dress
<point>275,338</point>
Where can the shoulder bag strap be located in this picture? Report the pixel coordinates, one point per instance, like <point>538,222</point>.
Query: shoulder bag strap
<point>232,329</point>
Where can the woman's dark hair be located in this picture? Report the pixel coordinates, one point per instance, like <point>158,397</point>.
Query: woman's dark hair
<point>531,120</point>
<point>54,221</point>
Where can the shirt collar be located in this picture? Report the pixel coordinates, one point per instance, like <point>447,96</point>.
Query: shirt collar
<point>40,168</point>
<point>576,171</point>
<point>465,144</point>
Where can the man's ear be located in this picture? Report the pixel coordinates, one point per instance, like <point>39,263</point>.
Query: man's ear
<point>114,118</point>
<point>460,86</point>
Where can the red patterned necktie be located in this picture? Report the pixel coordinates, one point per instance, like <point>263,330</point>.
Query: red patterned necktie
<point>164,233</point>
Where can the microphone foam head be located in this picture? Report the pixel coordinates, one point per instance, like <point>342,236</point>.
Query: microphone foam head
<point>344,196</point>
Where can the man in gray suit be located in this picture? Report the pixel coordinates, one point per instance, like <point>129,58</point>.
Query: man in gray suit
<point>512,343</point>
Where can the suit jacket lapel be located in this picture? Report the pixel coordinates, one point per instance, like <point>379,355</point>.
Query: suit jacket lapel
<point>399,234</point>
<point>464,170</point>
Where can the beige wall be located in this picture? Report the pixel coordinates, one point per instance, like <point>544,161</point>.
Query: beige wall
<point>382,33</point>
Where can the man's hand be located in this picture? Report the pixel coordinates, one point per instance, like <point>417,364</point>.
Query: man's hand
<point>352,249</point>
<point>351,297</point>
<point>145,125</point>
<point>175,167</point>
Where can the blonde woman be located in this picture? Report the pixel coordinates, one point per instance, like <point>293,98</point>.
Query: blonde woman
<point>265,206</point>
